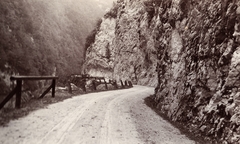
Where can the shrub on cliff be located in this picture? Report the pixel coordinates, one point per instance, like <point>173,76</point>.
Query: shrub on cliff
<point>91,37</point>
<point>113,12</point>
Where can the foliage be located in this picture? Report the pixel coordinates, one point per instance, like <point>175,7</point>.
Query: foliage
<point>149,6</point>
<point>42,38</point>
<point>108,52</point>
<point>10,113</point>
<point>4,88</point>
<point>112,13</point>
<point>154,2</point>
<point>91,37</point>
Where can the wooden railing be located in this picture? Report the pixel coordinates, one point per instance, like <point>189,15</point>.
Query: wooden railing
<point>80,81</point>
<point>18,89</point>
<point>101,80</point>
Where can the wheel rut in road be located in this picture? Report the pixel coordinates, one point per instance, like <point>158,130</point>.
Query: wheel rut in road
<point>112,117</point>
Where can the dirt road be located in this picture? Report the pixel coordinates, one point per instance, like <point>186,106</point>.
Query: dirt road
<point>112,117</point>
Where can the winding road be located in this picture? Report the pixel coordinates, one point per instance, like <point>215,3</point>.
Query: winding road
<point>111,117</point>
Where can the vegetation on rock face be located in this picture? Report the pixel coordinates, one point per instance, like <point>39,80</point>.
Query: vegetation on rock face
<point>112,13</point>
<point>91,37</point>
<point>44,38</point>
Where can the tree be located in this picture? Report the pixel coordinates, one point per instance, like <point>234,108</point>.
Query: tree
<point>108,52</point>
<point>91,37</point>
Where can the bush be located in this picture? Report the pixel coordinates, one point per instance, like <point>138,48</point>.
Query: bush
<point>4,88</point>
<point>113,12</point>
<point>91,37</point>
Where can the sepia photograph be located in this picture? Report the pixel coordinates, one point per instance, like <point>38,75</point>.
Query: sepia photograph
<point>119,72</point>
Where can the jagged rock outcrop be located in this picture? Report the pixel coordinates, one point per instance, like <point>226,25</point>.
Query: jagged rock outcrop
<point>99,58</point>
<point>198,68</point>
<point>124,46</point>
<point>194,48</point>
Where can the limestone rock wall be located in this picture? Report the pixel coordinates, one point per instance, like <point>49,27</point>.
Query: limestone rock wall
<point>198,68</point>
<point>129,38</point>
<point>189,50</point>
<point>100,55</point>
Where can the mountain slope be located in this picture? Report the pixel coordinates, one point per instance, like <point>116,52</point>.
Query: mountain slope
<point>44,38</point>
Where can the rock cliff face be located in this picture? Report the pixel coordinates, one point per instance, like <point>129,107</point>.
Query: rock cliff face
<point>124,46</point>
<point>192,49</point>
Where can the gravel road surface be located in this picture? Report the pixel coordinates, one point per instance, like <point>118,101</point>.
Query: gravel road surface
<point>111,117</point>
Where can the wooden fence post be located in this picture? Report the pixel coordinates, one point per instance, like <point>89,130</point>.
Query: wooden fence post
<point>105,84</point>
<point>84,84</point>
<point>84,88</point>
<point>53,87</point>
<point>130,84</point>
<point>126,84</point>
<point>115,84</point>
<point>94,85</point>
<point>13,92</point>
<point>18,94</point>
<point>122,83</point>
<point>69,87</point>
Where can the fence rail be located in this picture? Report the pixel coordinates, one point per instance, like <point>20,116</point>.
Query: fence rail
<point>18,89</point>
<point>79,80</point>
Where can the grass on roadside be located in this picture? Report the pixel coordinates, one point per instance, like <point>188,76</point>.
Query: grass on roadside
<point>7,114</point>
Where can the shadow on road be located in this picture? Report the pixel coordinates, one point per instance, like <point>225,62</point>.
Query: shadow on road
<point>149,101</point>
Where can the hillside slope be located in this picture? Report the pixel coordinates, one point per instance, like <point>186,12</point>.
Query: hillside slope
<point>190,47</point>
<point>45,38</point>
